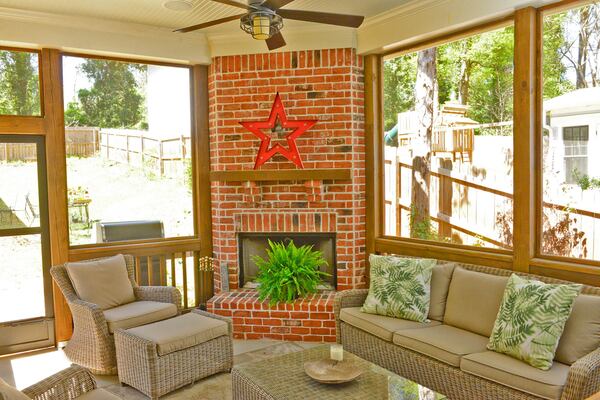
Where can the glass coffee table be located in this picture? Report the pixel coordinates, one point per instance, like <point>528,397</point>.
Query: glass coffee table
<point>283,378</point>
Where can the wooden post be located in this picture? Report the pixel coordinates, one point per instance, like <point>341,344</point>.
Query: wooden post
<point>54,126</point>
<point>201,164</point>
<point>445,198</point>
<point>161,167</point>
<point>374,149</point>
<point>127,147</point>
<point>107,145</point>
<point>525,107</point>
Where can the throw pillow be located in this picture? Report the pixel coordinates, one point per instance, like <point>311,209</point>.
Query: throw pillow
<point>400,287</point>
<point>531,320</point>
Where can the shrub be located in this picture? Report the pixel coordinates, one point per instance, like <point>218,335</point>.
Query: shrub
<point>288,272</point>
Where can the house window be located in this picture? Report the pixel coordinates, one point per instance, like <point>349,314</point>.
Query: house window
<point>575,140</point>
<point>129,150</point>
<point>448,115</point>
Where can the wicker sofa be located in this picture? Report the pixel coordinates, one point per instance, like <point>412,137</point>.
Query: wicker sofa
<point>92,344</point>
<point>449,353</point>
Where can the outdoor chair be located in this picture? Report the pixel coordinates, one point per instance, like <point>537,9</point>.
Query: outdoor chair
<point>103,296</point>
<point>71,383</point>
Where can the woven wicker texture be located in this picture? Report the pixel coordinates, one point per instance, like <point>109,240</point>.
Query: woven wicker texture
<point>284,378</point>
<point>141,367</point>
<point>91,345</point>
<point>583,379</point>
<point>67,384</point>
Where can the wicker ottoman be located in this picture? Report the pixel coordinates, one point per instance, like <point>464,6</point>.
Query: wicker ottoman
<point>161,357</point>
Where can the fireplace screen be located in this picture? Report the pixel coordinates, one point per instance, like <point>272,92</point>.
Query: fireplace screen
<point>251,244</point>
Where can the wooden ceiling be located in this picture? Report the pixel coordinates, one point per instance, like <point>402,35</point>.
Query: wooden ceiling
<point>152,12</point>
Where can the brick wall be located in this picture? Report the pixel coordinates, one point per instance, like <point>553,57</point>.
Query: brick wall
<point>327,85</point>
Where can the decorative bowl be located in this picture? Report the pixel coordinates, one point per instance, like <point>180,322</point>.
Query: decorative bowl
<point>332,372</point>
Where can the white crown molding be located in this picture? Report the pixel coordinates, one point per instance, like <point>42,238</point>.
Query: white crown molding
<point>100,36</point>
<point>405,10</point>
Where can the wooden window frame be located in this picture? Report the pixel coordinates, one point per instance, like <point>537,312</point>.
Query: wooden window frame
<point>527,204</point>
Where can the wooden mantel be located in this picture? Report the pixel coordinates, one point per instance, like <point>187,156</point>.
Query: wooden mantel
<point>281,175</point>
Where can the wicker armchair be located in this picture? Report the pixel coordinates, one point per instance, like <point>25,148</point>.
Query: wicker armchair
<point>92,344</point>
<point>67,384</point>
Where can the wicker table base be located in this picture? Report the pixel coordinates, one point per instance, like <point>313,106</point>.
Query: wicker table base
<point>283,378</point>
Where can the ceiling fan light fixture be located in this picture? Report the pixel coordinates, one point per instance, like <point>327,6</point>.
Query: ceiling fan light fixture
<point>262,25</point>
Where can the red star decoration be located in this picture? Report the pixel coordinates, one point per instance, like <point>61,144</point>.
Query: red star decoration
<point>278,113</point>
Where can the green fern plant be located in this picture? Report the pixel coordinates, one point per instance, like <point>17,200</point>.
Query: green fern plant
<point>288,272</point>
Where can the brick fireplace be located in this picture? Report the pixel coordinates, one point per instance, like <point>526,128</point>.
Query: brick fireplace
<point>326,85</point>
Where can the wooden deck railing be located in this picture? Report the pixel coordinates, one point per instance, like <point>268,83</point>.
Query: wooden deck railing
<point>178,264</point>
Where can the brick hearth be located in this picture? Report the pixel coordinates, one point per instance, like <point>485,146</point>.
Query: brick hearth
<point>326,85</point>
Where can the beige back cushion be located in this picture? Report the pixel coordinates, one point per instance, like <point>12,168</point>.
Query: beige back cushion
<point>582,331</point>
<point>474,300</point>
<point>103,282</point>
<point>8,392</point>
<point>440,282</point>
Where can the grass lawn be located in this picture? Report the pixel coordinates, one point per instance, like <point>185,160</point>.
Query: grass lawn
<point>119,192</point>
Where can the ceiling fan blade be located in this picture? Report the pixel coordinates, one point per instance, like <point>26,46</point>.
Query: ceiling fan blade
<point>233,4</point>
<point>211,23</point>
<point>276,41</point>
<point>352,21</point>
<point>276,4</point>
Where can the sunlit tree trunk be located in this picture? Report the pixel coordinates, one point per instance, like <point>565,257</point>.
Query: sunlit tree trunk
<point>582,51</point>
<point>425,107</point>
<point>464,79</point>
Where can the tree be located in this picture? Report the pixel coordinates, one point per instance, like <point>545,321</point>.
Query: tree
<point>426,104</point>
<point>19,83</point>
<point>556,82</point>
<point>113,101</point>
<point>399,86</point>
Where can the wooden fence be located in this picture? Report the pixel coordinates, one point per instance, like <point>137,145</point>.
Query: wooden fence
<point>468,210</point>
<point>166,157</point>
<point>80,142</point>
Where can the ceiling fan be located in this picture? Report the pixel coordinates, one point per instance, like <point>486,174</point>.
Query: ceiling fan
<point>264,19</point>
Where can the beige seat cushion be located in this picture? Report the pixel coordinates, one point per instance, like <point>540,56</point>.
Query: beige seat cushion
<point>378,325</point>
<point>102,282</point>
<point>443,342</point>
<point>7,392</point>
<point>581,335</point>
<point>516,374</point>
<point>98,394</point>
<point>181,332</point>
<point>440,282</point>
<point>474,300</point>
<point>138,313</point>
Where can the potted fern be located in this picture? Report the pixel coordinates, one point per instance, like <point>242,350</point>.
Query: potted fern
<point>289,272</point>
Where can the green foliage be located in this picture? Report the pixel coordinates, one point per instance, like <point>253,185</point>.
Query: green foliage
<point>189,174</point>
<point>531,319</point>
<point>556,82</point>
<point>586,182</point>
<point>19,83</point>
<point>398,88</point>
<point>400,287</point>
<point>115,99</point>
<point>289,272</point>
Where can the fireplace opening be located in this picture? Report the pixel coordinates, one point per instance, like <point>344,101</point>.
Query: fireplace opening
<point>256,244</point>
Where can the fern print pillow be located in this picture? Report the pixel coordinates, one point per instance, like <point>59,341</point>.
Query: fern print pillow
<point>531,320</point>
<point>400,287</point>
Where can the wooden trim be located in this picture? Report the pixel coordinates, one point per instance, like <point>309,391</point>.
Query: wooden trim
<point>563,6</point>
<point>125,59</point>
<point>202,177</point>
<point>374,149</point>
<point>22,125</point>
<point>449,37</point>
<point>525,112</point>
<point>54,127</point>
<point>281,175</point>
<point>135,249</point>
<point>443,252</point>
